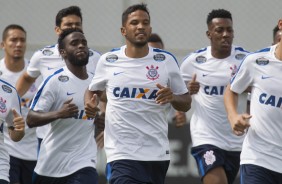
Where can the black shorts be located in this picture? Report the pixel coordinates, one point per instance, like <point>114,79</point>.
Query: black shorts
<point>87,175</point>
<point>3,182</point>
<point>21,171</point>
<point>137,172</point>
<point>209,157</point>
<point>253,174</point>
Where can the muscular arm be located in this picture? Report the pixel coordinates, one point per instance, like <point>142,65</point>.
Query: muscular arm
<point>181,102</point>
<point>239,122</point>
<point>36,118</point>
<point>24,83</point>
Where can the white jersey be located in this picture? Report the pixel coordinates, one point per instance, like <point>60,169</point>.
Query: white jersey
<point>136,126</point>
<point>209,123</point>
<point>262,145</point>
<point>9,100</point>
<point>48,60</point>
<point>25,149</point>
<point>69,144</point>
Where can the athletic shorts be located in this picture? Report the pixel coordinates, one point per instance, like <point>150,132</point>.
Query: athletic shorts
<point>138,172</point>
<point>3,182</point>
<point>209,157</point>
<point>253,174</point>
<point>87,175</point>
<point>21,171</point>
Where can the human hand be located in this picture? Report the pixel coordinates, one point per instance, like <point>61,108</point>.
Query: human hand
<point>239,123</point>
<point>68,109</point>
<point>91,107</point>
<point>193,85</point>
<point>19,123</point>
<point>164,95</point>
<point>180,119</point>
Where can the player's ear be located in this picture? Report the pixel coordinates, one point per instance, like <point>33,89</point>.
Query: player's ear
<point>2,45</point>
<point>123,31</point>
<point>58,30</point>
<point>280,24</point>
<point>62,53</point>
<point>208,34</point>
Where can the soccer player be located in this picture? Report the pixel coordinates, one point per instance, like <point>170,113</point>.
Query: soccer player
<point>23,154</point>
<point>9,112</point>
<point>277,33</point>
<point>207,72</point>
<point>47,60</point>
<point>142,83</point>
<point>156,41</point>
<point>68,152</point>
<point>261,153</point>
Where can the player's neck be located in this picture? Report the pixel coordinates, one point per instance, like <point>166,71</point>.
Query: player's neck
<point>278,51</point>
<point>14,64</point>
<point>79,71</point>
<point>136,52</point>
<point>220,54</point>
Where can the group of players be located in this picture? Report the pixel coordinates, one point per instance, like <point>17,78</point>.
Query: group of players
<point>66,89</point>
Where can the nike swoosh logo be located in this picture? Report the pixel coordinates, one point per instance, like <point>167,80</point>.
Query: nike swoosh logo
<point>265,77</point>
<point>49,68</point>
<point>117,73</point>
<point>204,75</point>
<point>70,93</point>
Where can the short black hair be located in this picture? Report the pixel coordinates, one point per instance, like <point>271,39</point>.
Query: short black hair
<point>65,33</point>
<point>275,30</point>
<point>71,10</point>
<point>155,38</point>
<point>134,8</point>
<point>218,13</point>
<point>10,27</point>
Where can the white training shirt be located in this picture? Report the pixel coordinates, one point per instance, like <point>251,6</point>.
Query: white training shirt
<point>136,126</point>
<point>46,61</point>
<point>263,143</point>
<point>25,149</point>
<point>209,123</point>
<point>69,144</point>
<point>9,100</point>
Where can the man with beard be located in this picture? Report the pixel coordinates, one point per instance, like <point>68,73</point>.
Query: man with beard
<point>68,152</point>
<point>207,72</point>
<point>142,83</point>
<point>46,61</point>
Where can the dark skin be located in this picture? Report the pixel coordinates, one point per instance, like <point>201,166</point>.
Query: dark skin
<point>75,51</point>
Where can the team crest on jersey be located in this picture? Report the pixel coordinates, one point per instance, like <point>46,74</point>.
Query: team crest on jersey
<point>3,107</point>
<point>233,70</point>
<point>48,52</point>
<point>159,57</point>
<point>262,61</point>
<point>152,72</point>
<point>201,59</point>
<point>112,58</point>
<point>63,78</point>
<point>91,53</point>
<point>240,56</point>
<point>6,88</point>
<point>209,157</point>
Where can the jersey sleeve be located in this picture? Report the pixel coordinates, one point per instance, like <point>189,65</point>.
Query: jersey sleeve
<point>99,80</point>
<point>46,95</point>
<point>244,76</point>
<point>33,68</point>
<point>176,82</point>
<point>187,69</point>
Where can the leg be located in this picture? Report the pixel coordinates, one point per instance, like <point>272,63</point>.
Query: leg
<point>215,176</point>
